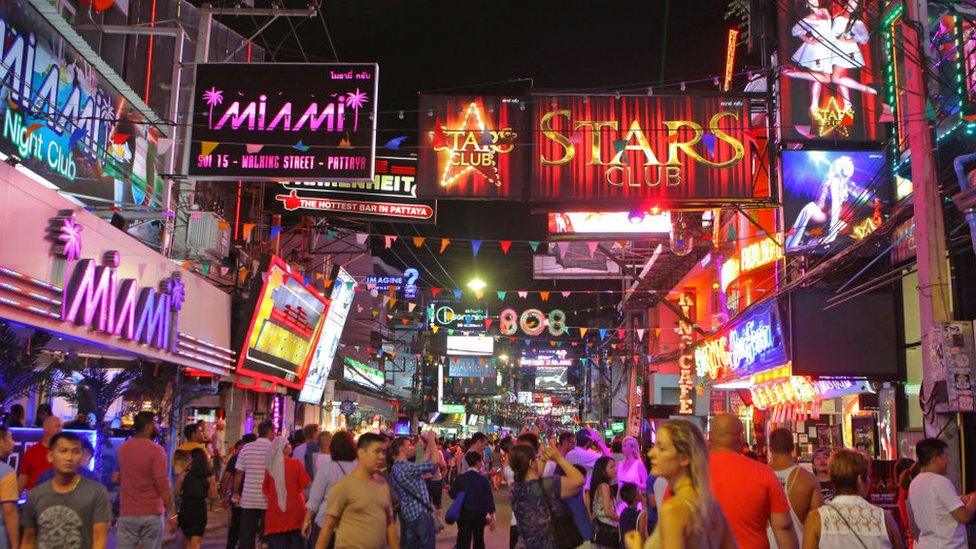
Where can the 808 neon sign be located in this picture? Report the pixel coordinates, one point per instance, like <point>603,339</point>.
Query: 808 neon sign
<point>532,322</point>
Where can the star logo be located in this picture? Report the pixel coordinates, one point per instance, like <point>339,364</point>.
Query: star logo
<point>473,148</point>
<point>833,118</point>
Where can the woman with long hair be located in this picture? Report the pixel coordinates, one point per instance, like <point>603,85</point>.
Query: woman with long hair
<point>603,492</point>
<point>339,460</point>
<point>631,469</point>
<point>284,485</point>
<point>691,518</point>
<point>194,485</point>
<point>537,502</point>
<point>905,479</point>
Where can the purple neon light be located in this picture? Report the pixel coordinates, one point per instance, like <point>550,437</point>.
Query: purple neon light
<point>29,308</point>
<point>27,293</point>
<point>155,319</point>
<point>177,292</point>
<point>70,236</point>
<point>124,308</point>
<point>35,281</point>
<point>88,292</point>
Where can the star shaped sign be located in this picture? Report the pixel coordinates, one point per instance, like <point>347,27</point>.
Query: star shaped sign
<point>833,118</point>
<point>473,148</point>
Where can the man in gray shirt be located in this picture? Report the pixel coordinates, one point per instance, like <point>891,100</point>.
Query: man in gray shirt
<point>68,510</point>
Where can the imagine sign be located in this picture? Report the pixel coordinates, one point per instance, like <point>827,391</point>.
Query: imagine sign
<point>653,148</point>
<point>65,122</point>
<point>752,344</point>
<point>301,122</point>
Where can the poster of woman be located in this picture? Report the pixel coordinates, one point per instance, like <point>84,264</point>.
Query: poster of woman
<point>829,69</point>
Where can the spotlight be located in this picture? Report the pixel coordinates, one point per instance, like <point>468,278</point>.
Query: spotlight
<point>635,216</point>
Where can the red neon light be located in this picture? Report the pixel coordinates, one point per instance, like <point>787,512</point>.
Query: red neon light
<point>730,58</point>
<point>237,209</point>
<point>149,53</point>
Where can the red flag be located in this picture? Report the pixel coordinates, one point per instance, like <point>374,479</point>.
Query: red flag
<point>440,140</point>
<point>434,292</point>
<point>505,244</point>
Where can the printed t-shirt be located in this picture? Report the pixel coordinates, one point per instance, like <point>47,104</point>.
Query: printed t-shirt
<point>363,508</point>
<point>142,468</point>
<point>253,461</point>
<point>278,520</point>
<point>748,493</point>
<point>933,498</point>
<point>33,463</point>
<point>66,520</point>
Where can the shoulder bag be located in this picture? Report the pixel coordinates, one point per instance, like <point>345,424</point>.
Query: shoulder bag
<point>438,525</point>
<point>562,526</point>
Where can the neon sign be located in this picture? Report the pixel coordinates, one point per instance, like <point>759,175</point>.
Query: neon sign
<point>751,257</point>
<point>474,148</point>
<point>753,344</point>
<point>686,361</point>
<point>730,58</point>
<point>533,322</point>
<point>799,389</point>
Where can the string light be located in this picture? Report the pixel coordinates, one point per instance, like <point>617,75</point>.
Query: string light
<point>683,87</point>
<point>400,115</point>
<point>716,82</point>
<point>650,91</point>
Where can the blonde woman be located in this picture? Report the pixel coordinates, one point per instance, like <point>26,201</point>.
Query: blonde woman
<point>690,518</point>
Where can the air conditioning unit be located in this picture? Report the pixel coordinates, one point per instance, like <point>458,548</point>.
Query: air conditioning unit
<point>205,237</point>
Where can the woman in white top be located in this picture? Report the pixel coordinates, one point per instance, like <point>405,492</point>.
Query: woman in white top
<point>691,518</point>
<point>631,469</point>
<point>849,521</point>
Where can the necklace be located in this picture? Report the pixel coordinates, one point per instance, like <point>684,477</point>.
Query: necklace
<point>71,486</point>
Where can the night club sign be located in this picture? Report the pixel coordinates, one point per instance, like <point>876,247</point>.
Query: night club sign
<point>473,146</point>
<point>654,148</point>
<point>63,120</point>
<point>280,121</point>
<point>532,322</point>
<point>450,317</point>
<point>752,344</point>
<point>390,196</point>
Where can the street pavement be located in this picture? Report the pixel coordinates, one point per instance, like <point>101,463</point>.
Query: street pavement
<point>216,536</point>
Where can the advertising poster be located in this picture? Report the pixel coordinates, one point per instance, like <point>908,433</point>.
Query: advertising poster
<point>473,146</point>
<point>391,196</point>
<point>343,292</point>
<point>831,77</point>
<point>659,149</point>
<point>607,224</point>
<point>833,198</point>
<point>66,122</point>
<point>367,375</point>
<point>471,366</point>
<point>285,122</point>
<point>285,327</point>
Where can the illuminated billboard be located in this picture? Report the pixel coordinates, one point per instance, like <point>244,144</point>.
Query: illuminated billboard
<point>833,198</point>
<point>551,378</point>
<point>390,196</point>
<point>830,75</point>
<point>285,327</point>
<point>452,316</point>
<point>753,343</point>
<point>608,223</point>
<point>343,293</point>
<point>284,121</point>
<point>470,345</point>
<point>668,149</point>
<point>473,147</point>
<point>363,374</point>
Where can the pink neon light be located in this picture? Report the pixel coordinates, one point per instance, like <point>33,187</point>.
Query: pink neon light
<point>154,321</point>
<point>27,293</point>
<point>29,308</point>
<point>89,286</point>
<point>204,351</point>
<point>124,308</point>
<point>207,344</point>
<point>35,281</point>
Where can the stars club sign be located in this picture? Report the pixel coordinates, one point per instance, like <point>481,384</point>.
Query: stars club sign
<point>471,146</point>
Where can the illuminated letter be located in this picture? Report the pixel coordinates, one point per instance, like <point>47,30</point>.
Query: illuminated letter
<point>596,129</point>
<point>687,146</point>
<point>545,126</point>
<point>642,145</point>
<point>124,310</point>
<point>315,119</point>
<point>740,150</point>
<point>89,286</point>
<point>237,118</point>
<point>153,326</point>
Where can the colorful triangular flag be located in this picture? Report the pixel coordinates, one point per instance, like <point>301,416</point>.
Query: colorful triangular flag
<point>475,246</point>
<point>534,244</point>
<point>501,294</point>
<point>418,241</point>
<point>544,296</point>
<point>445,242</point>
<point>505,245</point>
<point>388,240</point>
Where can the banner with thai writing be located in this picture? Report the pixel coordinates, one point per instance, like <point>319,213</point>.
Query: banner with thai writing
<point>281,121</point>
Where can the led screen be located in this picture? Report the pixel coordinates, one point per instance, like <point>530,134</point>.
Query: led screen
<point>608,223</point>
<point>856,338</point>
<point>284,329</point>
<point>470,345</point>
<point>830,73</point>
<point>833,198</point>
<point>343,292</point>
<point>363,374</point>
<point>551,378</point>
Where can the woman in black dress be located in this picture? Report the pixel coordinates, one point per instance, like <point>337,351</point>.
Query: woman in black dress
<point>194,485</point>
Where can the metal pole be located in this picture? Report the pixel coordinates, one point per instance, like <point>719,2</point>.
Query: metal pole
<point>934,295</point>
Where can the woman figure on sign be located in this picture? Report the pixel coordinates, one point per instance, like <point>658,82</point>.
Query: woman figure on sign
<point>631,469</point>
<point>814,57</point>
<point>849,33</point>
<point>838,186</point>
<point>691,518</point>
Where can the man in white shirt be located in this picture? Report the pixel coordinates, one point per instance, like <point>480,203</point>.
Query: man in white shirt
<point>583,455</point>
<point>252,462</point>
<point>938,514</point>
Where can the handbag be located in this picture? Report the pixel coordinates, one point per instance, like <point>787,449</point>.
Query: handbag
<point>565,534</point>
<point>454,511</point>
<point>605,534</point>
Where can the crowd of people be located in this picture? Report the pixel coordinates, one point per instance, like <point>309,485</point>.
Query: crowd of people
<point>327,490</point>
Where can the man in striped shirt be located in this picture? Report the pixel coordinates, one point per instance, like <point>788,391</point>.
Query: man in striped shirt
<point>248,480</point>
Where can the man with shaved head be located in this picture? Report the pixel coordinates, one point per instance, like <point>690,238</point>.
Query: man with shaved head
<point>35,459</point>
<point>748,492</point>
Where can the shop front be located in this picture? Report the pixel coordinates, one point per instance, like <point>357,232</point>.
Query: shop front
<point>102,293</point>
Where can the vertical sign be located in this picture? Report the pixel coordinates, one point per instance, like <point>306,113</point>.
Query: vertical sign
<point>686,360</point>
<point>953,349</point>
